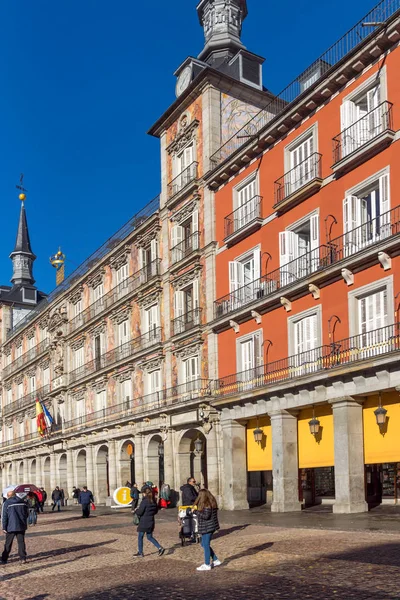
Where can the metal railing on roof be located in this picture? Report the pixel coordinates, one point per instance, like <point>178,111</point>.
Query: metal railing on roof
<point>354,38</point>
<point>138,219</point>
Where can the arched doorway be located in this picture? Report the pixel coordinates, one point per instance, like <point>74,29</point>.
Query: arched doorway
<point>62,473</point>
<point>32,472</point>
<point>193,457</point>
<point>102,483</point>
<point>80,480</point>
<point>127,463</point>
<point>46,476</point>
<point>155,460</point>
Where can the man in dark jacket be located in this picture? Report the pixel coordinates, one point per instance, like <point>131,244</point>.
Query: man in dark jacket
<point>134,496</point>
<point>189,492</point>
<point>14,523</point>
<point>56,497</point>
<point>85,500</point>
<point>44,498</point>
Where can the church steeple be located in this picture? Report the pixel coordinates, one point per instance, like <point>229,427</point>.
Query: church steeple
<point>22,256</point>
<point>222,22</point>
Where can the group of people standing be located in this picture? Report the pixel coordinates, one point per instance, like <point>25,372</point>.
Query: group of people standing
<point>203,504</point>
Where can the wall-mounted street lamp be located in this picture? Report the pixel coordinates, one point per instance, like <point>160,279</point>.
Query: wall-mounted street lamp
<point>314,424</point>
<point>198,446</point>
<point>380,413</point>
<point>160,449</point>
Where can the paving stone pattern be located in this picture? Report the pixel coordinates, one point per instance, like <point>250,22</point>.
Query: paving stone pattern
<point>93,560</point>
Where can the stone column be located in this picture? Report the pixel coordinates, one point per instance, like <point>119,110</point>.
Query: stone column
<point>234,493</point>
<point>285,463</point>
<point>70,473</point>
<point>213,461</point>
<point>53,474</point>
<point>139,466</point>
<point>89,468</point>
<point>14,473</point>
<point>25,471</point>
<point>112,466</point>
<point>349,456</point>
<point>169,475</point>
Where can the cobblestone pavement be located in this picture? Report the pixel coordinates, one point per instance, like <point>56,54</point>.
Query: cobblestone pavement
<point>71,558</point>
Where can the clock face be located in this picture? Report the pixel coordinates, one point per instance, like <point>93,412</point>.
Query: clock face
<point>184,80</point>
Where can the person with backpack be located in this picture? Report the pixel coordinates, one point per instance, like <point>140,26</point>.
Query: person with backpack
<point>207,514</point>
<point>146,513</point>
<point>33,506</point>
<point>165,496</point>
<point>134,496</point>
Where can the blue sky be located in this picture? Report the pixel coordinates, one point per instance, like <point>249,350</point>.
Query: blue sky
<point>81,83</point>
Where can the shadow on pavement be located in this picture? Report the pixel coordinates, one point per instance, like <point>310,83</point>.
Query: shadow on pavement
<point>249,552</point>
<point>386,554</point>
<point>223,532</point>
<point>26,571</point>
<point>68,550</point>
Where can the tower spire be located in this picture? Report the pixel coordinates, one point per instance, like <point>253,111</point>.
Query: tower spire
<point>222,23</point>
<point>22,256</point>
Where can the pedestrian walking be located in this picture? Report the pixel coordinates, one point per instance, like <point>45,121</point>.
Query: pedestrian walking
<point>33,506</point>
<point>207,514</point>
<point>134,496</point>
<point>44,498</point>
<point>165,496</point>
<point>66,498</point>
<point>85,500</point>
<point>62,497</point>
<point>189,492</point>
<point>56,497</point>
<point>146,512</point>
<point>14,524</point>
<point>75,494</point>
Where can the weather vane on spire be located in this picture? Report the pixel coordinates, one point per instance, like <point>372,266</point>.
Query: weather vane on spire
<point>21,188</point>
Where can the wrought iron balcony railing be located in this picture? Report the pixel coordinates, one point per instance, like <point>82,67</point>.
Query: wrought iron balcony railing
<point>117,354</point>
<point>187,321</point>
<point>243,216</point>
<point>185,248</point>
<point>30,437</point>
<point>183,179</point>
<point>127,286</point>
<point>25,358</point>
<point>301,175</point>
<point>312,76</point>
<point>365,346</point>
<point>26,401</point>
<point>339,249</point>
<point>363,131</point>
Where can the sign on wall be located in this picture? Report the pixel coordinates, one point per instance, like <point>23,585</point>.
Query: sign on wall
<point>122,496</point>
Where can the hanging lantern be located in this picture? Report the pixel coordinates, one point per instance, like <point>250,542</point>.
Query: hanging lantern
<point>258,435</point>
<point>380,414</point>
<point>198,446</point>
<point>314,426</point>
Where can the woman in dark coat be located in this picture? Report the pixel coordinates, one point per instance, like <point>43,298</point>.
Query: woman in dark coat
<point>207,514</point>
<point>146,512</point>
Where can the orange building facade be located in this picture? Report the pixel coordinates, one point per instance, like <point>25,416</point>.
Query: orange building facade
<point>308,285</point>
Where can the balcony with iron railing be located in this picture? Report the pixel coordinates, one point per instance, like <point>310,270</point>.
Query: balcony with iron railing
<point>350,247</point>
<point>243,221</point>
<point>117,293</point>
<point>303,94</point>
<point>187,321</point>
<point>162,399</point>
<point>364,138</point>
<point>185,248</point>
<point>110,358</point>
<point>26,358</point>
<point>358,348</point>
<point>299,183</point>
<point>26,401</point>
<point>184,181</point>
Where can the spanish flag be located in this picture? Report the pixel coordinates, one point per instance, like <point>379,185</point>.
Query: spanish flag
<point>40,419</point>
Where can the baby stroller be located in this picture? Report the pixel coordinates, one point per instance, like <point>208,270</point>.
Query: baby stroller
<point>188,521</point>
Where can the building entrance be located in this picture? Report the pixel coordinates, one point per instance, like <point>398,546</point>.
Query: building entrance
<point>382,483</point>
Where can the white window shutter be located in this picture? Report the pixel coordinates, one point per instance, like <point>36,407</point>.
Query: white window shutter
<point>347,114</point>
<point>155,316</point>
<point>258,357</point>
<point>142,258</point>
<point>195,221</point>
<point>196,293</point>
<point>373,98</point>
<point>288,245</point>
<point>179,303</point>
<point>188,152</point>
<point>177,233</point>
<point>236,276</point>
<point>314,227</point>
<point>351,213</point>
<point>154,249</point>
<point>257,265</point>
<point>384,193</point>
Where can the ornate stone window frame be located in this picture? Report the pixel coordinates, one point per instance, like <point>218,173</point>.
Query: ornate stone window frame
<point>77,343</point>
<point>96,279</point>
<point>184,136</point>
<point>186,278</point>
<point>186,211</point>
<point>121,258</point>
<point>122,314</point>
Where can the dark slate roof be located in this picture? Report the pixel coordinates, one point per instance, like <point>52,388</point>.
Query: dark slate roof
<point>23,243</point>
<point>14,295</point>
